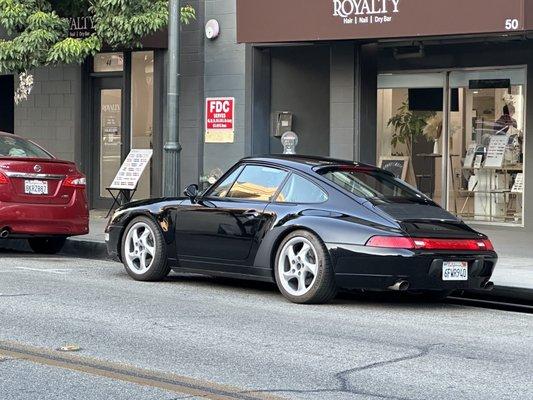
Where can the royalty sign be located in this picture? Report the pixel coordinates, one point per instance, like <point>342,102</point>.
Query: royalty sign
<point>260,21</point>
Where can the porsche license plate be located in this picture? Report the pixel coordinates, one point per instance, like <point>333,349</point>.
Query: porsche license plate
<point>36,187</point>
<point>455,271</point>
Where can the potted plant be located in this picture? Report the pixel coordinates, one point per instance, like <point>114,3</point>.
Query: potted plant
<point>408,126</point>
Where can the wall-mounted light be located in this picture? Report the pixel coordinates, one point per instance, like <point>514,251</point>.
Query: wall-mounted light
<point>212,29</point>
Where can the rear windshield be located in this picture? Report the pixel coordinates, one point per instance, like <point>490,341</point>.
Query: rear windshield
<point>15,147</point>
<point>374,185</point>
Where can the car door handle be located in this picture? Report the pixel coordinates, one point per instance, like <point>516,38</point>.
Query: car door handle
<point>251,213</point>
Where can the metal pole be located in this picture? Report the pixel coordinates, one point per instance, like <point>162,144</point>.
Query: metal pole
<point>172,148</point>
<point>445,141</point>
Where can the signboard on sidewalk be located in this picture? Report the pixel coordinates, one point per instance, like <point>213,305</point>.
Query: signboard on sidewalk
<point>220,120</point>
<point>132,168</point>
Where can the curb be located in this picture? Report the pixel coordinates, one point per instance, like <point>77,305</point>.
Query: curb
<point>73,247</point>
<point>504,293</point>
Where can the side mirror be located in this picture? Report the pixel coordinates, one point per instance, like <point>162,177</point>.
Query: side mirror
<point>191,192</point>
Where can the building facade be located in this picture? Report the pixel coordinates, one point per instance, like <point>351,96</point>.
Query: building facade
<point>435,91</point>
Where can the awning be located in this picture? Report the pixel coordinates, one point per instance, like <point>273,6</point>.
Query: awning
<point>270,21</point>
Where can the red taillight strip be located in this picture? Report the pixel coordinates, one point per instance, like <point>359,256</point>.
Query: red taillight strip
<point>402,242</point>
<point>3,179</point>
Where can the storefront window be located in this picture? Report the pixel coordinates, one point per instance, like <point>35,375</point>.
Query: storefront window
<point>486,145</point>
<point>142,111</point>
<point>409,129</point>
<point>108,62</point>
<point>485,139</point>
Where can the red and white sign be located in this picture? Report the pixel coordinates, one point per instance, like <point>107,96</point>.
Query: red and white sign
<point>219,119</point>
<point>219,112</point>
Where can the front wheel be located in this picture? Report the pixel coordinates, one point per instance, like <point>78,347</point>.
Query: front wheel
<point>50,245</point>
<point>144,250</point>
<point>303,269</point>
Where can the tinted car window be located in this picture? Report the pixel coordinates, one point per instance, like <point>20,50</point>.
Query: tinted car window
<point>300,190</point>
<point>257,183</point>
<point>222,189</point>
<point>373,185</point>
<point>18,148</point>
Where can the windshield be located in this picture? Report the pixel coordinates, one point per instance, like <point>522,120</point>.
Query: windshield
<point>12,146</point>
<point>373,185</point>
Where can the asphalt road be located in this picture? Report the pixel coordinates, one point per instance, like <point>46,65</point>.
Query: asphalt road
<point>190,337</point>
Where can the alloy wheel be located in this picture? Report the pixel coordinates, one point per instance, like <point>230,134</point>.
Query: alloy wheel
<point>139,248</point>
<point>298,266</point>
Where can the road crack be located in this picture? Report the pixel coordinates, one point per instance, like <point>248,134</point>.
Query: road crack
<point>343,377</point>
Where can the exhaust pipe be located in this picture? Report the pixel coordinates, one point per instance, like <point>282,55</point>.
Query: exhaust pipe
<point>400,286</point>
<point>4,233</point>
<point>488,285</point>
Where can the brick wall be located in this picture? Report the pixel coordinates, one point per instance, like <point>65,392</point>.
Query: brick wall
<point>50,114</point>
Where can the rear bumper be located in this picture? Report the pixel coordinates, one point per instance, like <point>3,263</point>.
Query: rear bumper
<point>360,267</point>
<point>45,219</point>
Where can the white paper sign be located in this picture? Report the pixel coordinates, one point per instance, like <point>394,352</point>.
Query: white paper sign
<point>470,153</point>
<point>496,151</point>
<point>131,169</point>
<point>518,186</point>
<point>478,161</point>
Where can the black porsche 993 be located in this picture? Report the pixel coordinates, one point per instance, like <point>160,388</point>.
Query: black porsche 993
<point>311,225</point>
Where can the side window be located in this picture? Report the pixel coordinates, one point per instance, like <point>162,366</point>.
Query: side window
<point>257,183</point>
<point>223,187</point>
<point>300,190</point>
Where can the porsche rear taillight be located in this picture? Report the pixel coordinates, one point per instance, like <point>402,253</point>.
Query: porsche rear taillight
<point>76,181</point>
<point>391,242</point>
<point>402,242</point>
<point>4,180</point>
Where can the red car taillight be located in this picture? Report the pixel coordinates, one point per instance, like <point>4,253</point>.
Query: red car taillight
<point>402,242</point>
<point>3,179</point>
<point>76,181</point>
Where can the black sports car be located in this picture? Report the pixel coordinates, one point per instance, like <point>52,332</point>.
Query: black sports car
<point>312,225</point>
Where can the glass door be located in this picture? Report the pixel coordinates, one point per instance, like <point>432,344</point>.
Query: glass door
<point>409,128</point>
<point>486,145</point>
<point>108,146</point>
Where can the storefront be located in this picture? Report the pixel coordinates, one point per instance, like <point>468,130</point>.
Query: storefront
<point>122,90</point>
<point>438,97</point>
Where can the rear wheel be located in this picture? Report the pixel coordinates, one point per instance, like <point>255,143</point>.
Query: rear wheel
<point>303,269</point>
<point>144,250</point>
<point>50,245</point>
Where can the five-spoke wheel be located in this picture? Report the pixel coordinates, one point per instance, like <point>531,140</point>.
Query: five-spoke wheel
<point>144,250</point>
<point>139,248</point>
<point>303,269</point>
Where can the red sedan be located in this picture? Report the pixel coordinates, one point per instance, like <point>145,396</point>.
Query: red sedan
<point>42,198</point>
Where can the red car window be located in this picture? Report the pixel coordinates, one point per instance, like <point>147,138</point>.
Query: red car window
<point>14,147</point>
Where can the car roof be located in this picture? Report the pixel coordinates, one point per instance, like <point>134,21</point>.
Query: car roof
<point>305,163</point>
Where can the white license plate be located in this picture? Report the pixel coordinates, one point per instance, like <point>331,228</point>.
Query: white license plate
<point>455,271</point>
<point>36,187</point>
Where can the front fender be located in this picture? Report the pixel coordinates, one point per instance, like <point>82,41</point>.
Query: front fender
<point>162,213</point>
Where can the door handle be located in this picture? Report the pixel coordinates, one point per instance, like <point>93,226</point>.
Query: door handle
<point>251,213</point>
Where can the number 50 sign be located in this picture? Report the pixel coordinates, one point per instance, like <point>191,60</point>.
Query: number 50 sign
<point>220,120</point>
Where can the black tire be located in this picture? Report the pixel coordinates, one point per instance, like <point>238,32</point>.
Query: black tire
<point>158,268</point>
<point>47,245</point>
<point>323,289</point>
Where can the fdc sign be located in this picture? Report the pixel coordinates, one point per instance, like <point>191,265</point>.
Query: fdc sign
<point>219,119</point>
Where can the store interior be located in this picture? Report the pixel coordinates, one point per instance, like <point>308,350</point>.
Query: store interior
<point>485,138</point>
